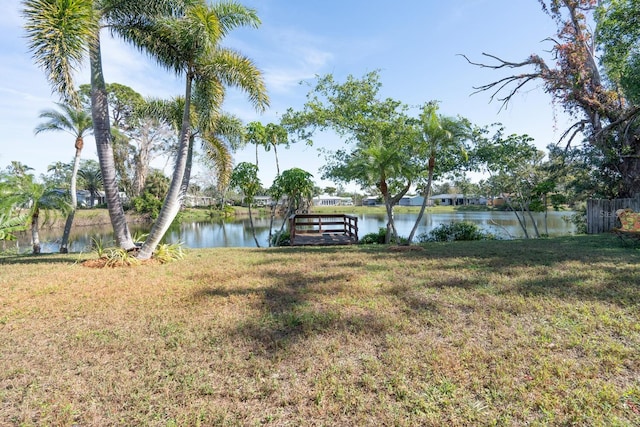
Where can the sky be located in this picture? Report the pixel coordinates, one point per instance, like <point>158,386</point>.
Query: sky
<point>415,45</point>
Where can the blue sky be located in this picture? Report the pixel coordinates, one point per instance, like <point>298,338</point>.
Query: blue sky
<point>414,44</point>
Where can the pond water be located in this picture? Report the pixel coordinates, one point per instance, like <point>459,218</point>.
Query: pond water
<point>237,232</point>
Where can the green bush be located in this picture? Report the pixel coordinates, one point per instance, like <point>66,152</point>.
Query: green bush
<point>374,238</point>
<point>147,204</point>
<point>281,239</point>
<point>454,231</point>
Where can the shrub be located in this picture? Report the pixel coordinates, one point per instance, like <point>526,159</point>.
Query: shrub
<point>454,231</point>
<point>374,238</point>
<point>147,203</point>
<point>281,239</point>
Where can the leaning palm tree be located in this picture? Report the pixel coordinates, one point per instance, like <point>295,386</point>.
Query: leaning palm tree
<point>190,46</point>
<point>78,123</point>
<point>61,35</point>
<point>441,137</point>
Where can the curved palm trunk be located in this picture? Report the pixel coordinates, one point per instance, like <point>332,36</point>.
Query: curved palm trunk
<point>424,202</point>
<point>173,201</point>
<point>64,245</point>
<point>275,151</point>
<point>253,229</point>
<point>184,188</point>
<point>102,134</point>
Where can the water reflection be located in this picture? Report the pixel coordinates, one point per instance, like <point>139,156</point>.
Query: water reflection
<point>237,232</point>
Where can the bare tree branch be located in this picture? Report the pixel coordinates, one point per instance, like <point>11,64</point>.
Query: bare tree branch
<point>518,80</point>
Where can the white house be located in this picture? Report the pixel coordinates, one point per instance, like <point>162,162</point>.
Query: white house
<point>326,200</point>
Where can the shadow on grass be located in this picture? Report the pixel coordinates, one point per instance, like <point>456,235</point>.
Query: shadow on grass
<point>601,270</point>
<point>26,259</point>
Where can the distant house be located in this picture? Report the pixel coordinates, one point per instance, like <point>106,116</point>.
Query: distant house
<point>193,201</point>
<point>326,200</point>
<point>370,200</point>
<point>458,200</point>
<point>262,201</point>
<point>413,201</point>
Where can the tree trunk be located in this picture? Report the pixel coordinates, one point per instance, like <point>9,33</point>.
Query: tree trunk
<point>64,245</point>
<point>35,234</point>
<point>184,187</point>
<point>173,201</point>
<point>275,151</point>
<point>102,134</point>
<point>253,229</point>
<point>424,202</point>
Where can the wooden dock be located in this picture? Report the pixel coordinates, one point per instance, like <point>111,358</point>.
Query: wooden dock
<point>323,229</point>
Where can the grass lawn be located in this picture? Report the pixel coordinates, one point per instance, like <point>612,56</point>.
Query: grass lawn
<point>541,332</point>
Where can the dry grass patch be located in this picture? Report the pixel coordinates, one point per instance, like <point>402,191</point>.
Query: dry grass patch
<point>479,333</point>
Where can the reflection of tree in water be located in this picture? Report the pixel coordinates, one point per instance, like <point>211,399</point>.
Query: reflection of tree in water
<point>237,232</point>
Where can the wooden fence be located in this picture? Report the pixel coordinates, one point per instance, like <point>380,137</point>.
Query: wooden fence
<point>601,213</point>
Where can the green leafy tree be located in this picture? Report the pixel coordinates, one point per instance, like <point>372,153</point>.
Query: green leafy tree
<point>245,178</point>
<point>514,166</point>
<point>382,137</point>
<point>139,136</point>
<point>296,188</point>
<point>78,123</point>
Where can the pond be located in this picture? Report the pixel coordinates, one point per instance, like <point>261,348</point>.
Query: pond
<point>237,232</point>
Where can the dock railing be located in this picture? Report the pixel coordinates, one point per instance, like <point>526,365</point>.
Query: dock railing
<point>315,228</point>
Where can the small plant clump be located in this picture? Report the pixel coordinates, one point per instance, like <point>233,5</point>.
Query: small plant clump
<point>374,238</point>
<point>454,231</point>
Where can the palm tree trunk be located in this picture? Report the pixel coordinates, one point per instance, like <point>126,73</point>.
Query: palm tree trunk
<point>102,134</point>
<point>64,245</point>
<point>184,188</point>
<point>253,229</point>
<point>275,151</point>
<point>173,201</point>
<point>35,234</point>
<point>423,207</point>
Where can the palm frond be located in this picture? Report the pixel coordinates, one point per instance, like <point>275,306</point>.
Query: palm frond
<point>231,68</point>
<point>59,34</point>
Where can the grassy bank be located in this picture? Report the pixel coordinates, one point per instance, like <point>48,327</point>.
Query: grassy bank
<point>479,333</point>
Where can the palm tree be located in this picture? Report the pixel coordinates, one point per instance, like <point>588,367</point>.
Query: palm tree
<point>256,134</point>
<point>78,123</point>
<point>39,200</point>
<point>190,47</point>
<point>61,35</point>
<point>91,181</point>
<point>245,178</point>
<point>275,135</point>
<point>440,137</point>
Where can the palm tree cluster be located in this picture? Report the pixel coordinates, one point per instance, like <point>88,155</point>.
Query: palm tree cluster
<point>183,36</point>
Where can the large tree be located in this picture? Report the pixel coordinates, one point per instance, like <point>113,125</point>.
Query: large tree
<point>62,34</point>
<point>381,137</point>
<point>190,45</point>
<point>76,122</point>
<point>600,99</point>
<point>245,178</point>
